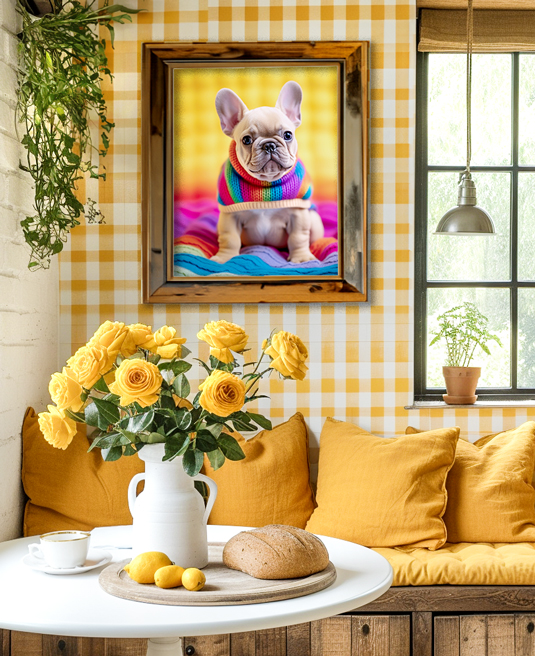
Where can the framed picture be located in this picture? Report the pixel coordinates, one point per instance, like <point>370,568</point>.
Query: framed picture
<point>254,172</point>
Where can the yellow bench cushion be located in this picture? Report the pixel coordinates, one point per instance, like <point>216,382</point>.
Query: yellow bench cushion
<point>464,563</point>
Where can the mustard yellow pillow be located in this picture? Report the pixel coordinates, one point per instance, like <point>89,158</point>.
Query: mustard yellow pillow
<point>383,492</point>
<point>491,498</point>
<point>272,484</point>
<point>72,489</point>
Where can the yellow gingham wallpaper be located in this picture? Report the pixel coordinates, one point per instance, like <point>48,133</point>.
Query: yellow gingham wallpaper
<point>360,354</point>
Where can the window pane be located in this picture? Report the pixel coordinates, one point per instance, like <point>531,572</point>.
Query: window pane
<point>526,338</point>
<point>526,226</point>
<point>526,148</point>
<point>469,258</point>
<point>491,109</point>
<point>494,304</point>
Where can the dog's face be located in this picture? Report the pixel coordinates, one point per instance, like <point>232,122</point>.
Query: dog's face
<point>265,137</point>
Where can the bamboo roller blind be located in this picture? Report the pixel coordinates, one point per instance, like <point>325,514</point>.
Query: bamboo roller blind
<point>444,30</point>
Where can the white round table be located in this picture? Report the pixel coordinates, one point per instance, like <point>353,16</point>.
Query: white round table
<point>76,605</point>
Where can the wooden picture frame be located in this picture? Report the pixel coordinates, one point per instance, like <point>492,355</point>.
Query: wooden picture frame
<point>159,285</point>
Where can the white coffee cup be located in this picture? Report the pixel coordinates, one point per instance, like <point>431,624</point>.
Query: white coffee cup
<point>62,549</point>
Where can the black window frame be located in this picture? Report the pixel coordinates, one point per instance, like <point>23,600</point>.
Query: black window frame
<point>421,392</point>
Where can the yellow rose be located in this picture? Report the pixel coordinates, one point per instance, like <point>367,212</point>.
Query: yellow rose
<point>90,362</point>
<point>223,337</point>
<point>137,381</point>
<point>166,344</point>
<point>111,336</point>
<point>58,430</point>
<point>65,390</point>
<point>288,355</point>
<point>138,335</point>
<point>222,393</point>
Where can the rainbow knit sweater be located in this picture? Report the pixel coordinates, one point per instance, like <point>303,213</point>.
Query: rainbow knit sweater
<point>240,191</point>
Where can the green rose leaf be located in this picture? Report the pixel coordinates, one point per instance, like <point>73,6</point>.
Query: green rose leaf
<point>230,447</point>
<point>127,436</point>
<point>141,422</point>
<point>243,425</point>
<point>262,421</point>
<point>183,419</point>
<point>129,450</point>
<point>192,461</point>
<point>108,413</point>
<point>176,446</point>
<point>94,443</point>
<point>114,453</point>
<point>91,416</point>
<point>101,386</point>
<point>216,458</point>
<point>181,386</point>
<point>176,366</point>
<point>206,441</point>
<point>167,401</point>
<point>152,438</point>
<point>215,429</point>
<point>75,416</point>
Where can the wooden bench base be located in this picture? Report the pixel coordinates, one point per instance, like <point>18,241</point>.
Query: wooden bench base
<point>415,621</point>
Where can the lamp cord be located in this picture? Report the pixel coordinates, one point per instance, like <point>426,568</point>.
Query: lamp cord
<point>469,42</point>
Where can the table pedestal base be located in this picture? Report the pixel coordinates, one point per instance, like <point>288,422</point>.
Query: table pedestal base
<point>164,647</point>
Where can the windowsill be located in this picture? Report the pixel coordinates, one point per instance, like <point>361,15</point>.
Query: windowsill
<point>478,405</point>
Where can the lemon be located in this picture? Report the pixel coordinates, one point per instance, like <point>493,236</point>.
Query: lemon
<point>193,579</point>
<point>169,576</point>
<point>143,567</point>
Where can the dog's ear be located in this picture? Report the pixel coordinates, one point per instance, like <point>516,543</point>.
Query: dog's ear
<point>230,108</point>
<point>289,102</point>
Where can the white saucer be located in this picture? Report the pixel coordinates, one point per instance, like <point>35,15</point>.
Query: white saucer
<point>95,558</point>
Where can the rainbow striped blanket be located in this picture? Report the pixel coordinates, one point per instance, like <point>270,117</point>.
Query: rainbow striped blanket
<point>195,241</point>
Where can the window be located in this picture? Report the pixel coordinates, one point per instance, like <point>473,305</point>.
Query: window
<point>495,272</point>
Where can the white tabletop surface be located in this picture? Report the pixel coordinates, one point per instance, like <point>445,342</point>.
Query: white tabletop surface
<point>76,605</point>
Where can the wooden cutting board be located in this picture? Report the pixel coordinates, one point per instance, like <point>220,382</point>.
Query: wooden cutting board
<point>223,586</point>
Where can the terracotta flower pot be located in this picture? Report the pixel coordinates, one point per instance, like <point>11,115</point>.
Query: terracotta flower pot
<point>461,383</point>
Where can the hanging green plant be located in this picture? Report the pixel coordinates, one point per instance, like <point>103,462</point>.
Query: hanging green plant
<point>62,62</point>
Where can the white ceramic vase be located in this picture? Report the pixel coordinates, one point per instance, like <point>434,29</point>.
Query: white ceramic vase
<point>169,515</point>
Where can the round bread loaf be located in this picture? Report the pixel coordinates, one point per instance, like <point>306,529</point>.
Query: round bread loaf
<point>276,552</point>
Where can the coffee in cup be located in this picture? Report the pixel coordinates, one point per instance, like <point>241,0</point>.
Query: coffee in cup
<point>62,549</point>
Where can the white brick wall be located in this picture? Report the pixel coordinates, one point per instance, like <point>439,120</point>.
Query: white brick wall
<point>28,300</point>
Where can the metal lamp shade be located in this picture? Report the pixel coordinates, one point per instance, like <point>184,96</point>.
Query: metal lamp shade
<point>467,218</point>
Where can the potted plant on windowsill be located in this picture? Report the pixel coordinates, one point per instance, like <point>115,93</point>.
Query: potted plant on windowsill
<point>464,328</point>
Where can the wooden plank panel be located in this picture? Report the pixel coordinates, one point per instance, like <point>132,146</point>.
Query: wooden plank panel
<point>60,645</point>
<point>370,636</point>
<point>422,634</point>
<point>454,599</point>
<point>243,644</point>
<point>525,635</point>
<point>331,637</point>
<point>122,647</point>
<point>271,642</point>
<point>400,635</point>
<point>446,636</point>
<point>473,632</point>
<point>216,645</point>
<point>26,644</point>
<point>5,642</point>
<point>92,647</point>
<point>501,635</point>
<point>298,640</point>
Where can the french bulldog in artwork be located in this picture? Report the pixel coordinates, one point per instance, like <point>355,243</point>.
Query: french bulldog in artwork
<point>264,189</point>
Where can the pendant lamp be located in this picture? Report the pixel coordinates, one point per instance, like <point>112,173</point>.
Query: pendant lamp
<point>467,218</point>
